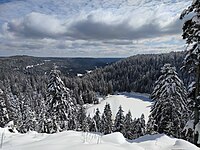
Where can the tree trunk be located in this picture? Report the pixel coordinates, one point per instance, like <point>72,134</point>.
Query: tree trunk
<point>196,107</point>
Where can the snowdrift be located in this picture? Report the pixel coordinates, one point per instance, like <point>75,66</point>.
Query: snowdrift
<point>73,140</point>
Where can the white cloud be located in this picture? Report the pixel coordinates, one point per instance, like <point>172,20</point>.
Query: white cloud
<point>93,28</point>
<point>35,25</point>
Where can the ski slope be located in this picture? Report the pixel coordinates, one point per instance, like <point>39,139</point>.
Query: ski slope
<point>135,102</point>
<point>72,140</point>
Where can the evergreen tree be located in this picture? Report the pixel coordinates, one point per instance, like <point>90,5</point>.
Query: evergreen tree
<point>140,126</point>
<point>4,118</point>
<point>86,125</point>
<point>28,118</point>
<point>97,120</point>
<point>60,106</point>
<point>191,30</point>
<point>128,126</point>
<point>42,126</point>
<point>170,106</point>
<point>119,125</point>
<point>106,120</point>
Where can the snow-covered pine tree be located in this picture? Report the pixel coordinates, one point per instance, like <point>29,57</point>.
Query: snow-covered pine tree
<point>86,125</point>
<point>140,126</point>
<point>170,105</point>
<point>191,29</point>
<point>81,115</point>
<point>41,116</point>
<point>106,121</point>
<point>97,120</point>
<point>60,105</point>
<point>27,121</point>
<point>119,125</point>
<point>4,118</point>
<point>128,125</point>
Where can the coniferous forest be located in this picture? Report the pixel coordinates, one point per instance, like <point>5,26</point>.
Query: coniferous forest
<point>54,102</point>
<point>50,95</point>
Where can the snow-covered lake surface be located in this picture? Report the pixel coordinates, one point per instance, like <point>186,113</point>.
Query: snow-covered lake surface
<point>137,103</point>
<point>72,140</point>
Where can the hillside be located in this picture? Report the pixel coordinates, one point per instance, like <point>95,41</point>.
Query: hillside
<point>136,73</point>
<point>41,65</point>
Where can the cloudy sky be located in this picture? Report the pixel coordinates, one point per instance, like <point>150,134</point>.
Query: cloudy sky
<point>90,28</point>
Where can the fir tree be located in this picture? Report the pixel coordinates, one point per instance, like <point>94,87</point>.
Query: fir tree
<point>128,125</point>
<point>4,118</point>
<point>106,120</point>
<point>81,117</point>
<point>86,125</point>
<point>140,126</point>
<point>60,106</point>
<point>170,106</point>
<point>119,125</point>
<point>97,120</point>
<point>191,30</point>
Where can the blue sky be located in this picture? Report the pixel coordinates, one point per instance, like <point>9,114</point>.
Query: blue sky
<point>90,28</point>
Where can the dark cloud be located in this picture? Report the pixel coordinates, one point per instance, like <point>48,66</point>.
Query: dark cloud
<point>90,29</point>
<point>36,25</point>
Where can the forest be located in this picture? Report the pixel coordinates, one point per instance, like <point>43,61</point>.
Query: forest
<point>48,96</point>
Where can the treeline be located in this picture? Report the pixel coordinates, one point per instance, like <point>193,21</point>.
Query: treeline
<point>137,73</point>
<point>104,123</point>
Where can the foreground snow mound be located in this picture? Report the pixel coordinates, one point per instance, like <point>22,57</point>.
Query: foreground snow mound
<point>137,103</point>
<point>72,140</point>
<point>181,143</point>
<point>116,138</point>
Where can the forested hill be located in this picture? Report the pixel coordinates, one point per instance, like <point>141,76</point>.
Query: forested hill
<point>41,65</point>
<point>137,73</point>
<point>29,75</point>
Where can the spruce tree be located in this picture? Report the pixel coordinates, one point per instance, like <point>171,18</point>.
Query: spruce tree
<point>97,121</point>
<point>86,125</point>
<point>106,120</point>
<point>170,106</point>
<point>60,105</point>
<point>81,117</point>
<point>119,125</point>
<point>191,29</point>
<point>140,126</point>
<point>4,118</point>
<point>128,125</point>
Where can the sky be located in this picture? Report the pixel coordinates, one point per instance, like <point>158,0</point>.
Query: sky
<point>90,28</point>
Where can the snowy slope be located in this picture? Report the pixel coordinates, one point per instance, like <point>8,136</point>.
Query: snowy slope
<point>136,103</point>
<point>71,140</point>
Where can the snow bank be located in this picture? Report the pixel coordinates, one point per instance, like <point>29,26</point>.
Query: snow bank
<point>72,140</point>
<point>181,143</point>
<point>116,138</point>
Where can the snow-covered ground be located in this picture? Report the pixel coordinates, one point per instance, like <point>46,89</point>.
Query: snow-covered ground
<point>135,102</point>
<point>72,140</point>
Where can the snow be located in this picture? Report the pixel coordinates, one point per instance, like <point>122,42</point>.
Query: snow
<point>88,71</point>
<point>189,125</point>
<point>73,140</point>
<point>79,75</point>
<point>116,138</point>
<point>135,102</point>
<point>1,92</point>
<point>197,130</point>
<point>31,66</point>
